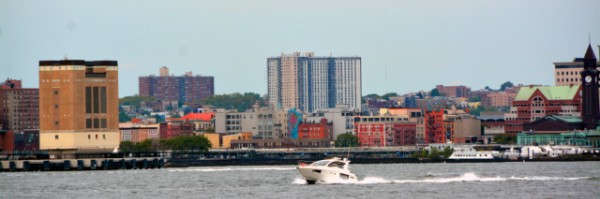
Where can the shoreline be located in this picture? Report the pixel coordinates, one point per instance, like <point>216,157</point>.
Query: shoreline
<point>178,163</point>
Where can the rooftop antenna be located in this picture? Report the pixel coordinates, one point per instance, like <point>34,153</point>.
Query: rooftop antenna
<point>66,56</point>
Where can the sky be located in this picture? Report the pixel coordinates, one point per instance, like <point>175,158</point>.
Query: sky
<point>405,46</point>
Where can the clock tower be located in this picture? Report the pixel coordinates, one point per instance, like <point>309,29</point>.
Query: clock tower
<point>589,80</point>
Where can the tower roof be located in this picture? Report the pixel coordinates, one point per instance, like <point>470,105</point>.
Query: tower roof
<point>589,54</point>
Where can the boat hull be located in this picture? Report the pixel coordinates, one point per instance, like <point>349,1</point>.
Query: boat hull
<point>315,174</point>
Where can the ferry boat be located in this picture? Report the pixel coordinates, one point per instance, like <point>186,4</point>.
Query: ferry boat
<point>469,153</point>
<point>329,171</point>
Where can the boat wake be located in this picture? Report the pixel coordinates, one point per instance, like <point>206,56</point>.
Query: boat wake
<point>466,177</point>
<point>227,169</point>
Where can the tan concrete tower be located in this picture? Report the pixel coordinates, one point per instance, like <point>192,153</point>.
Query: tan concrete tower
<point>79,106</point>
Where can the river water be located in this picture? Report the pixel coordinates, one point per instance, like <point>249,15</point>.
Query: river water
<point>457,180</point>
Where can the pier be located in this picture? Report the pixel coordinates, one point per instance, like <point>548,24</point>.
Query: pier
<point>78,162</point>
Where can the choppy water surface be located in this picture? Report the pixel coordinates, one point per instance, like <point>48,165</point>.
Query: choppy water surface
<point>467,180</point>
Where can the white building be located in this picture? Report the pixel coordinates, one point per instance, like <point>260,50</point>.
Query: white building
<point>342,118</point>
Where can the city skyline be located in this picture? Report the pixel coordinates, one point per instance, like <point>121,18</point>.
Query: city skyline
<point>405,46</point>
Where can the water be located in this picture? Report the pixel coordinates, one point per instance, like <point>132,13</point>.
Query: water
<point>466,180</point>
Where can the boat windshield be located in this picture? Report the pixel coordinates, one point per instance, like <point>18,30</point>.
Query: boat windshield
<point>337,164</point>
<point>321,163</point>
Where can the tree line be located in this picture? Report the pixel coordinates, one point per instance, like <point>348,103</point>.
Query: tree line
<point>182,144</point>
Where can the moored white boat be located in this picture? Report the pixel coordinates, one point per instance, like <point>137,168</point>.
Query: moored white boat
<point>469,153</point>
<point>328,171</point>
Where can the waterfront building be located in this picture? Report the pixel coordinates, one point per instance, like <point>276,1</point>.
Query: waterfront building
<point>320,130</point>
<point>577,138</point>
<point>535,102</point>
<point>138,133</point>
<point>569,73</point>
<point>493,125</point>
<point>453,91</point>
<point>310,83</point>
<point>186,88</point>
<point>462,128</point>
<point>78,106</point>
<point>590,110</point>
<point>260,121</point>
<point>341,116</point>
<point>200,121</point>
<point>433,127</point>
<point>179,128</point>
<point>384,131</point>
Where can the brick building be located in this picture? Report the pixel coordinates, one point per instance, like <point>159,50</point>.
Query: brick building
<point>78,103</point>
<point>383,131</point>
<point>453,91</point>
<point>186,88</point>
<point>321,130</point>
<point>433,124</point>
<point>19,117</point>
<point>535,102</point>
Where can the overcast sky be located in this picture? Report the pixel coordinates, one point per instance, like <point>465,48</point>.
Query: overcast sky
<point>405,45</point>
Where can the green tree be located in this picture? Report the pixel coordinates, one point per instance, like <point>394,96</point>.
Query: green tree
<point>135,100</point>
<point>504,139</point>
<point>159,118</point>
<point>347,140</point>
<point>126,147</point>
<point>388,95</point>
<point>187,143</point>
<point>238,101</point>
<point>506,85</point>
<point>372,96</point>
<point>123,117</point>
<point>435,92</point>
<point>143,146</point>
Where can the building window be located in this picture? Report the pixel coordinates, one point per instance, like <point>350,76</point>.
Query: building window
<point>88,99</point>
<point>95,99</point>
<point>103,123</point>
<point>89,136</point>
<point>56,92</point>
<point>88,123</point>
<point>56,137</point>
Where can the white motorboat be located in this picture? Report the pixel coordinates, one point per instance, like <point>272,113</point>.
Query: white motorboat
<point>329,171</point>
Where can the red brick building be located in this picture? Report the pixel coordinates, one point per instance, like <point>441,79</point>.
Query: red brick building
<point>186,88</point>
<point>19,117</point>
<point>321,130</point>
<point>433,122</point>
<point>382,131</point>
<point>535,102</point>
<point>453,91</point>
<point>405,134</point>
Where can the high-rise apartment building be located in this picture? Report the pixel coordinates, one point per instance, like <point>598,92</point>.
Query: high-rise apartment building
<point>311,83</point>
<point>18,106</point>
<point>19,117</point>
<point>186,88</point>
<point>79,105</point>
